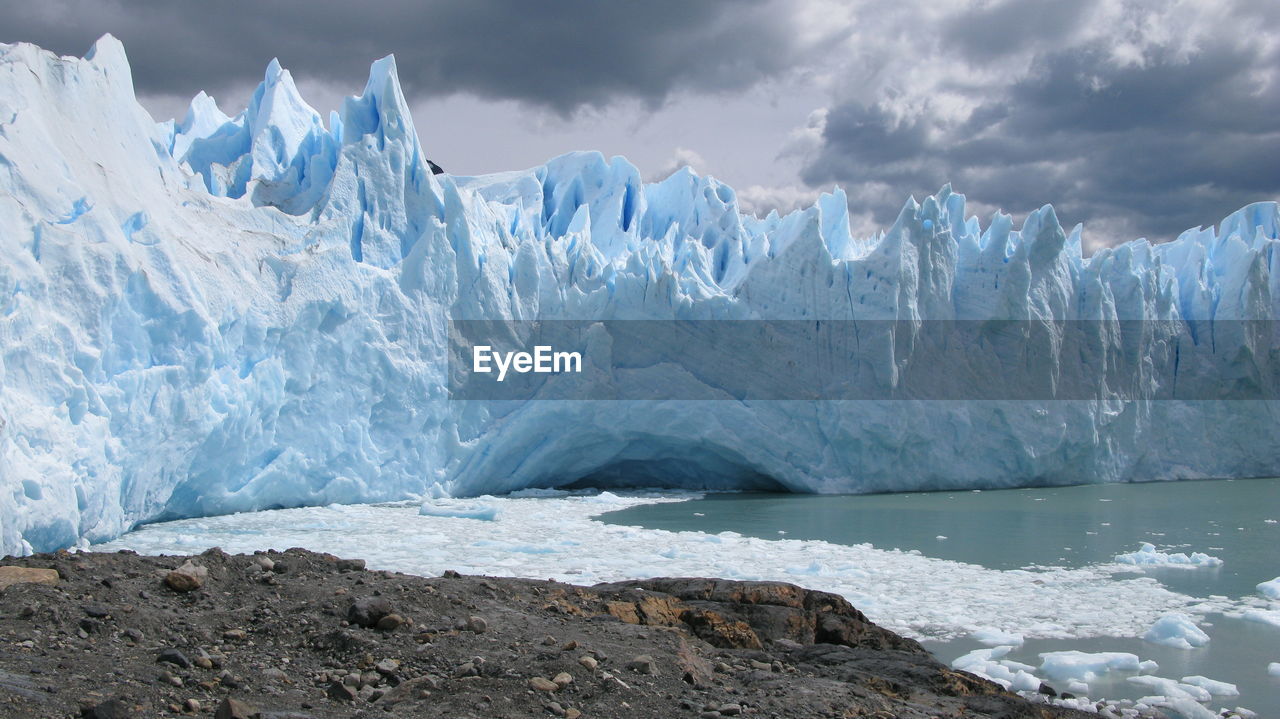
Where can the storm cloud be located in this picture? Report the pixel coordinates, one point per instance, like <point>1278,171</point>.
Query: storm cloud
<point>1139,119</point>
<point>1136,117</point>
<point>559,55</point>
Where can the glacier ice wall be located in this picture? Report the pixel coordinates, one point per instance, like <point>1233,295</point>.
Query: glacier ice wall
<point>233,313</point>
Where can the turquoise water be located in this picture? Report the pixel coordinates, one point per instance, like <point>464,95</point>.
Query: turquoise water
<point>1235,520</point>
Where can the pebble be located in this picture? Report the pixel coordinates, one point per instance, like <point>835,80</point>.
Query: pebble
<point>543,684</point>
<point>189,577</point>
<point>730,710</point>
<point>563,679</point>
<point>572,713</point>
<point>477,625</point>
<point>387,666</point>
<point>642,664</point>
<point>97,611</point>
<point>555,708</point>
<point>235,635</point>
<point>588,662</point>
<point>391,622</point>
<point>230,708</point>
<point>191,706</point>
<point>264,562</point>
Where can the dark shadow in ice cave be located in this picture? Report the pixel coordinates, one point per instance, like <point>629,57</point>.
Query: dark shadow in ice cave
<point>690,473</point>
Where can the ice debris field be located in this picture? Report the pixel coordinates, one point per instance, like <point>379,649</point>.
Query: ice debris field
<point>553,534</point>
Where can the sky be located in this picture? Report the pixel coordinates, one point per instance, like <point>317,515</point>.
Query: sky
<point>1138,118</point>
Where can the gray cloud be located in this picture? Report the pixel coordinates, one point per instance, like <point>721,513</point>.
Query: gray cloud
<point>559,56</point>
<point>1128,121</point>
<point>1140,117</point>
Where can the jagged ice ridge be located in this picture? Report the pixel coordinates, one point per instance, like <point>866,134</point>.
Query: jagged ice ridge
<point>233,313</point>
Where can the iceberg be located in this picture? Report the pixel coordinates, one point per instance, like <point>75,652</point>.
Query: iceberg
<point>1270,589</point>
<point>1177,630</point>
<point>1148,556</point>
<point>230,313</point>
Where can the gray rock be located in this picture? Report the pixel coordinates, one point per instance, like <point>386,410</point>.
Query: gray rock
<point>110,709</point>
<point>174,657</point>
<point>230,708</point>
<point>339,691</point>
<point>368,611</point>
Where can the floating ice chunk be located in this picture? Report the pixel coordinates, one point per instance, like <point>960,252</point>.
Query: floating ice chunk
<point>1077,687</point>
<point>993,637</point>
<point>1024,682</point>
<point>1214,687</point>
<point>1273,669</point>
<point>1085,666</point>
<point>1262,616</point>
<point>1148,667</point>
<point>459,508</point>
<point>1183,707</point>
<point>1176,630</point>
<point>987,663</point>
<point>1172,688</point>
<point>606,498</point>
<point>1270,589</point>
<point>1149,556</point>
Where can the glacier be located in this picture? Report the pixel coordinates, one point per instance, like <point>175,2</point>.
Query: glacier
<point>234,313</point>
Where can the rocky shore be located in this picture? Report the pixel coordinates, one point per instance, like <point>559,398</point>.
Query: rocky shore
<point>295,634</point>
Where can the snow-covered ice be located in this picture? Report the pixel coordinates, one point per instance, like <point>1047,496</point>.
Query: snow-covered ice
<point>1177,630</point>
<point>1148,556</point>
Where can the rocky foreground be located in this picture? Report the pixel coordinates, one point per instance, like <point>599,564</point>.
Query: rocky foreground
<point>290,635</point>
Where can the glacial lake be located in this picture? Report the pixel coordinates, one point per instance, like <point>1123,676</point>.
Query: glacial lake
<point>1234,520</point>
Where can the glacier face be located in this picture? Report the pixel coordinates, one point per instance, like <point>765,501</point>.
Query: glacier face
<point>234,313</point>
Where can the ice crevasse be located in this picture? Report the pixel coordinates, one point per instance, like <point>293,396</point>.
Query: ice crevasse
<point>230,313</point>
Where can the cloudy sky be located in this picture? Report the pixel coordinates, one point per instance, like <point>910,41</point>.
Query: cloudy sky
<point>1136,117</point>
